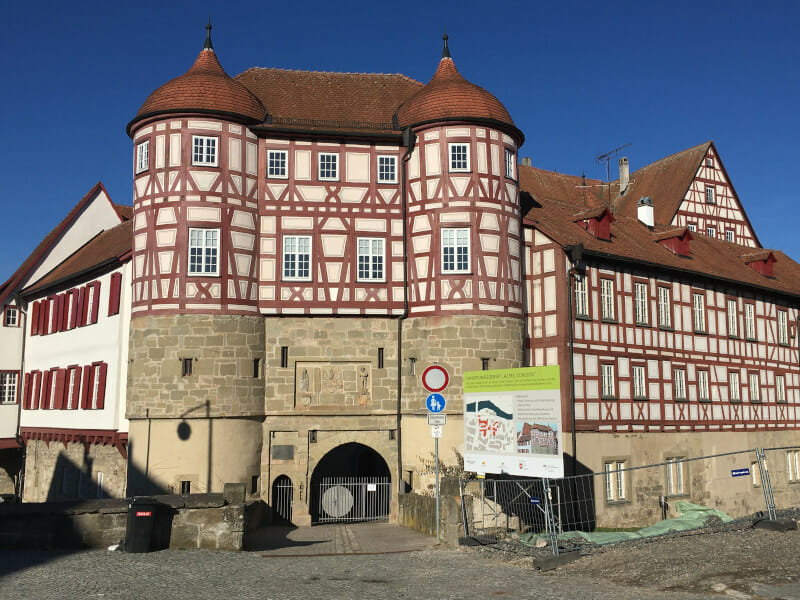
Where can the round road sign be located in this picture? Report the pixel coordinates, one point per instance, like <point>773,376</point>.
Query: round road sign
<point>435,378</point>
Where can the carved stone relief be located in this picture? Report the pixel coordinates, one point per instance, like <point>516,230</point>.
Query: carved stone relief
<point>332,385</point>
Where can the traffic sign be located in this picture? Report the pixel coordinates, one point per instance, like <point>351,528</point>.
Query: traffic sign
<point>435,378</point>
<point>535,500</point>
<point>436,431</point>
<point>435,403</point>
<point>437,419</point>
<point>740,472</point>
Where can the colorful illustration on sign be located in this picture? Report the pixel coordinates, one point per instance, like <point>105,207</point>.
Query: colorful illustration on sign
<point>537,438</point>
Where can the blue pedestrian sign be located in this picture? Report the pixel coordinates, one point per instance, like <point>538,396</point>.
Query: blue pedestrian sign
<point>435,403</point>
<point>535,500</point>
<point>740,472</point>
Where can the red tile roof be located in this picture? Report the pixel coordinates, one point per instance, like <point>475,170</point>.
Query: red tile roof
<point>125,212</point>
<point>206,88</point>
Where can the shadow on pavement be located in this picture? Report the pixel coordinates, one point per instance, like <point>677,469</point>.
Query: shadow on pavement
<point>274,537</point>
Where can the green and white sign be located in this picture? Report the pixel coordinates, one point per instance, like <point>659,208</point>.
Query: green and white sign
<point>512,422</point>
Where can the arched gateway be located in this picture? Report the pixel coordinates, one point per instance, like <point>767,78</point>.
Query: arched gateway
<point>352,482</point>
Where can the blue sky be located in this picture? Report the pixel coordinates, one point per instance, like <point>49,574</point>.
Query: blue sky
<point>579,79</point>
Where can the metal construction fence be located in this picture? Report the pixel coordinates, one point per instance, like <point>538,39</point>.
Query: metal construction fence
<point>627,502</point>
<point>344,499</point>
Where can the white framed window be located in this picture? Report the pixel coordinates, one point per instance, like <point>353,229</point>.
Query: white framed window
<point>754,382</point>
<point>581,296</point>
<point>750,321</point>
<point>793,465</point>
<point>51,397</point>
<point>640,304</point>
<point>607,387</point>
<point>203,251</point>
<point>639,382</point>
<point>510,164</point>
<point>297,257</point>
<point>71,394</point>
<point>455,250</point>
<point>459,157</point>
<point>780,388</point>
<point>664,307</point>
<point>143,156</point>
<point>699,312</point>
<point>691,227</point>
<point>328,166</point>
<point>607,299</point>
<point>711,232</point>
<point>8,387</point>
<point>755,472</point>
<point>278,164</point>
<point>95,398</point>
<point>734,387</point>
<point>615,480</point>
<point>733,319</point>
<point>11,317</point>
<point>52,310</point>
<point>676,474</point>
<point>204,150</point>
<point>679,384</point>
<point>783,327</point>
<point>710,194</point>
<point>709,162</point>
<point>702,386</point>
<point>370,259</point>
<point>387,169</point>
<point>729,235</point>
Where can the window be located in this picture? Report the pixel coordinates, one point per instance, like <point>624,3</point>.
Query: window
<point>755,387</point>
<point>664,307</point>
<point>699,313</point>
<point>277,163</point>
<point>711,232</point>
<point>53,386</point>
<point>640,297</point>
<point>607,381</point>
<point>256,368</point>
<point>709,162</point>
<point>143,156</point>
<point>675,476</point>
<point>387,169</point>
<point>297,257</point>
<point>709,194</point>
<point>284,356</point>
<point>734,389</point>
<point>691,227</point>
<point>639,383</point>
<point>755,472</point>
<point>729,235</point>
<point>679,384</point>
<point>607,299</point>
<point>186,487</point>
<point>780,388</point>
<point>73,391</point>
<point>455,250</point>
<point>204,150</point>
<point>702,387</point>
<point>380,358</point>
<point>615,480</point>
<point>733,319</point>
<point>11,317</point>
<point>750,321</point>
<point>459,157</point>
<point>8,387</point>
<point>370,259</point>
<point>793,465</point>
<point>510,162</point>
<point>783,328</point>
<point>581,297</point>
<point>203,251</point>
<point>187,367</point>
<point>328,166</point>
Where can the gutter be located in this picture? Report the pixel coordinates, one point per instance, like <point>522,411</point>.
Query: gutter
<point>20,487</point>
<point>74,276</point>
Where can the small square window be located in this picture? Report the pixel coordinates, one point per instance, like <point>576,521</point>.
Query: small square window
<point>510,164</point>
<point>387,169</point>
<point>204,150</point>
<point>11,317</point>
<point>186,487</point>
<point>328,166</point>
<point>297,257</point>
<point>709,162</point>
<point>203,251</point>
<point>455,250</point>
<point>277,161</point>
<point>459,157</point>
<point>709,194</point>
<point>143,156</point>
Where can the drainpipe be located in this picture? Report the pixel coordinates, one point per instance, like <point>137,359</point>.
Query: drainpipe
<point>21,305</point>
<point>574,253</point>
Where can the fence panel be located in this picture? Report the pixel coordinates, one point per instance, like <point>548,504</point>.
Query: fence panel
<point>343,499</point>
<point>782,464</point>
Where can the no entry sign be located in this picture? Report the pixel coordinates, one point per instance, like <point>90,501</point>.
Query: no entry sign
<point>435,378</point>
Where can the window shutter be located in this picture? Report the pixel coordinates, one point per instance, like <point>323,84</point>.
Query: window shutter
<point>44,399</point>
<point>84,306</point>
<point>101,388</point>
<point>36,379</point>
<point>58,401</point>
<point>75,392</point>
<point>95,302</point>
<point>35,319</point>
<point>113,298</point>
<point>86,387</point>
<point>72,300</point>
<point>59,304</point>
<point>44,317</point>
<point>26,399</point>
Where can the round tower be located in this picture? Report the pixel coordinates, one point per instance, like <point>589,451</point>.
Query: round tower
<point>464,245</point>
<point>195,395</point>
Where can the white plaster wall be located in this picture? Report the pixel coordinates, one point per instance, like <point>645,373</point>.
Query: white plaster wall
<point>10,345</point>
<point>8,420</point>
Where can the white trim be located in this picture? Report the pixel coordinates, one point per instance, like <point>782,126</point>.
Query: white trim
<point>465,159</point>
<point>456,246</point>
<point>205,150</point>
<point>369,255</point>
<point>285,161</point>
<point>207,249</point>
<point>142,156</point>
<point>393,161</point>
<point>335,163</point>
<point>297,253</point>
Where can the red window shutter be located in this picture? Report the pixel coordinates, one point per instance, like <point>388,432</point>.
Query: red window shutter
<point>86,387</point>
<point>113,298</point>
<point>73,298</point>
<point>75,392</point>
<point>44,399</point>
<point>37,388</point>
<point>58,401</point>
<point>44,317</point>
<point>84,305</point>
<point>59,304</point>
<point>95,302</point>
<point>52,315</point>
<point>101,388</point>
<point>35,318</point>
<point>26,399</point>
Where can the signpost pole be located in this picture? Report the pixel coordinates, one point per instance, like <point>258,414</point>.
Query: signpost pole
<point>436,458</point>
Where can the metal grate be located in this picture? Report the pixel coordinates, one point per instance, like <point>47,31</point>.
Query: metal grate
<point>354,499</point>
<point>282,495</point>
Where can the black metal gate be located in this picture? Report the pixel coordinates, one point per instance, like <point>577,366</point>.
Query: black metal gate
<point>348,499</point>
<point>282,493</point>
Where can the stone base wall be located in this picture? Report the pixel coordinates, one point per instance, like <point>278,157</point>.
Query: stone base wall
<point>10,466</point>
<point>418,512</point>
<point>55,472</point>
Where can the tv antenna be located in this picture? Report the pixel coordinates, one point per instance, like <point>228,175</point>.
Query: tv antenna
<point>607,158</point>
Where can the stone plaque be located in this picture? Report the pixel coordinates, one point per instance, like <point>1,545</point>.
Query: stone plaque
<point>283,452</point>
<point>332,385</point>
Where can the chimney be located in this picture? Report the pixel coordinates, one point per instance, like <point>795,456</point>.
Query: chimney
<point>624,175</point>
<point>526,161</point>
<point>644,211</point>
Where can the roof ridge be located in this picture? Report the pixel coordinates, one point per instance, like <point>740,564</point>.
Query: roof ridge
<point>318,72</point>
<point>673,155</point>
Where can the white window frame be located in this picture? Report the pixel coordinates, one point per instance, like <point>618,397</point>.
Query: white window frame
<point>205,150</point>
<point>711,232</point>
<point>783,327</point>
<point>52,311</point>
<point>676,476</point>
<point>664,306</point>
<point>581,296</point>
<point>793,465</point>
<point>607,299</point>
<point>615,480</point>
<point>607,387</point>
<point>755,472</point>
<point>710,194</point>
<point>750,321</point>
<point>730,235</point>
<point>754,386</point>
<point>691,227</point>
<point>298,248</point>
<point>679,384</point>
<point>142,156</point>
<point>277,164</point>
<point>207,250</point>
<point>51,397</point>
<point>510,163</point>
<point>95,386</point>
<point>734,387</point>
<point>9,384</point>
<point>733,318</point>
<point>699,312</point>
<point>780,388</point>
<point>461,252</point>
<point>69,393</point>
<point>641,301</point>
<point>375,259</point>
<point>703,393</point>
<point>11,317</point>
<point>458,160</point>
<point>327,163</point>
<point>387,169</point>
<point>639,382</point>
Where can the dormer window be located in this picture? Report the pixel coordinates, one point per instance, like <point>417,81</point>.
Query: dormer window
<point>762,262</point>
<point>676,240</point>
<point>597,222</point>
<point>459,157</point>
<point>142,156</point>
<point>204,150</point>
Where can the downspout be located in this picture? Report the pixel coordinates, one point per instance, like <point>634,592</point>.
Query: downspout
<point>21,386</point>
<point>575,254</point>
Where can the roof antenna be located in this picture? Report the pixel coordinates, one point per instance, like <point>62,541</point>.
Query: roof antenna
<point>446,50</point>
<point>208,45</point>
<point>607,158</point>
